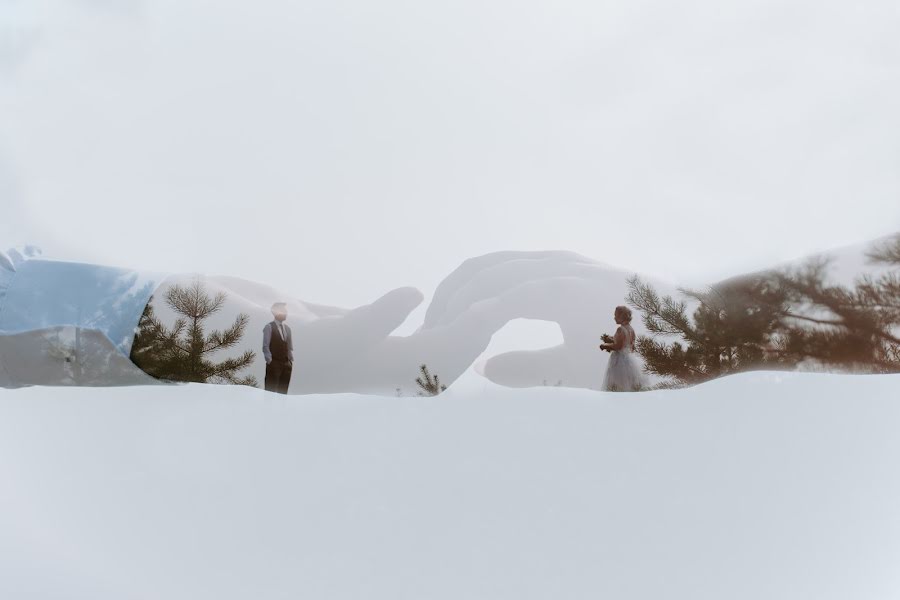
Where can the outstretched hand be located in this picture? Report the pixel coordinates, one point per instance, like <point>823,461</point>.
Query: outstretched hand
<point>351,350</point>
<point>576,292</point>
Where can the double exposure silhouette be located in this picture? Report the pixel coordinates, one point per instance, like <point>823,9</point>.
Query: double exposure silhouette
<point>66,323</point>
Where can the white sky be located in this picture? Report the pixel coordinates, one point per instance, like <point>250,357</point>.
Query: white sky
<point>338,149</point>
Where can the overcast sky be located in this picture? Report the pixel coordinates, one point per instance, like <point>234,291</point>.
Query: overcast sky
<point>338,149</point>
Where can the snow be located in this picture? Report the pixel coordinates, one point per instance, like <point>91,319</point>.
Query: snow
<point>758,485</point>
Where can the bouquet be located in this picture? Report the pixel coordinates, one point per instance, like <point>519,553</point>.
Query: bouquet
<point>607,339</point>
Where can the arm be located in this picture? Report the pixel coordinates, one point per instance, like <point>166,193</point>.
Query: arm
<point>619,339</point>
<point>607,342</point>
<point>267,338</point>
<point>290,342</point>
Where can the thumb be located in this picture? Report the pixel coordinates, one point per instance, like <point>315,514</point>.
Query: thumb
<point>373,322</point>
<point>547,366</point>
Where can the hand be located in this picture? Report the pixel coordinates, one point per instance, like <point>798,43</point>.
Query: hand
<point>577,293</point>
<point>351,350</point>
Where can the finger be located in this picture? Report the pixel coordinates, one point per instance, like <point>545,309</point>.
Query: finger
<point>494,274</point>
<point>364,326</point>
<point>559,365</point>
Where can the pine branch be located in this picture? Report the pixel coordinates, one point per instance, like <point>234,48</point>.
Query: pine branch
<point>664,316</point>
<point>887,251</point>
<point>429,385</point>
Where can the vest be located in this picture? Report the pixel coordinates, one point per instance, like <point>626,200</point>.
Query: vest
<point>277,346</point>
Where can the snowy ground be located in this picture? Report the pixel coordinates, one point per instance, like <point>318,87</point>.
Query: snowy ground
<point>756,486</point>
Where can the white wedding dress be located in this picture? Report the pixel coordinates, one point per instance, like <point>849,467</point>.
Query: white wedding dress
<point>623,373</point>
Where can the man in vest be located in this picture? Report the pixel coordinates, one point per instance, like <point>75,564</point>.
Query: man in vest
<point>278,350</point>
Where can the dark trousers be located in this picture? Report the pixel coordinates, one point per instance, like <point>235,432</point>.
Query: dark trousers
<point>278,375</point>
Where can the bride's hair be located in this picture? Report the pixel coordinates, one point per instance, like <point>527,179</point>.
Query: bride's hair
<point>625,312</point>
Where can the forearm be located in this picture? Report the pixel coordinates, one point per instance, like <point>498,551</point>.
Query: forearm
<point>267,339</point>
<point>614,345</point>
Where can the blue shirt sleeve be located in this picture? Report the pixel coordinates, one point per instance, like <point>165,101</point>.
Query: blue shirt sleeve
<point>40,296</point>
<point>47,293</point>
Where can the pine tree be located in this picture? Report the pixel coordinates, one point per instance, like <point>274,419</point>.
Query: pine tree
<point>182,352</point>
<point>776,319</point>
<point>844,328</point>
<point>730,331</point>
<point>430,385</point>
<point>146,349</point>
<point>887,251</point>
<point>883,294</point>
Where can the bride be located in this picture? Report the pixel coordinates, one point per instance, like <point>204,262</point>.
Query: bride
<point>623,373</point>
